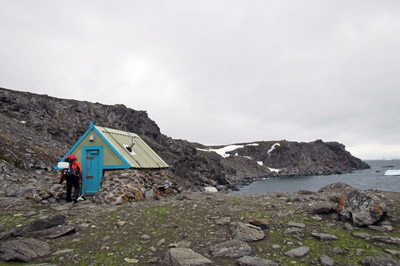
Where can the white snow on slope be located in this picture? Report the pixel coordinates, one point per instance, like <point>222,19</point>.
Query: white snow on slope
<point>273,147</point>
<point>274,169</point>
<point>260,163</point>
<point>224,151</point>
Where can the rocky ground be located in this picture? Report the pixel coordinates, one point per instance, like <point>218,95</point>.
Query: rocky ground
<point>338,225</point>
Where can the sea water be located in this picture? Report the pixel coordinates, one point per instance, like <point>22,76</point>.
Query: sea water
<point>373,178</point>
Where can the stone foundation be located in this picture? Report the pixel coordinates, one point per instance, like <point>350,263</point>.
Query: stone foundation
<point>118,186</point>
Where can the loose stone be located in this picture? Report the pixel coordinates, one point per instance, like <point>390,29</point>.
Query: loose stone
<point>185,256</point>
<point>379,261</point>
<point>246,232</point>
<point>231,249</point>
<point>324,237</point>
<point>294,224</point>
<point>255,261</point>
<point>223,221</point>
<point>298,252</point>
<point>326,261</point>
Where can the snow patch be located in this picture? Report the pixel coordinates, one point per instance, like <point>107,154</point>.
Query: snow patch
<point>224,151</point>
<point>211,189</point>
<point>260,163</point>
<point>273,148</point>
<point>274,169</point>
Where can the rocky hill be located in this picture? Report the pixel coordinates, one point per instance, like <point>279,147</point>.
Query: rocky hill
<point>37,130</point>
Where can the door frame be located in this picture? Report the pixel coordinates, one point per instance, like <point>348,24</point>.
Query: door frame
<point>99,174</point>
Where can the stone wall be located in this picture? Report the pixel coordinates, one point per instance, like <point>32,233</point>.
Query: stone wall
<point>118,186</point>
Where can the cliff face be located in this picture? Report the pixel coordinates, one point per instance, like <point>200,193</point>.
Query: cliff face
<point>37,130</point>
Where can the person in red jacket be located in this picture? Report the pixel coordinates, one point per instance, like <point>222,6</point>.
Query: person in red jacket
<point>72,175</point>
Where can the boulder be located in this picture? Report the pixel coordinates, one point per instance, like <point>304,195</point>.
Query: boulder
<point>41,224</point>
<point>361,207</point>
<point>185,256</point>
<point>337,187</point>
<point>231,249</point>
<point>246,232</point>
<point>23,249</point>
<point>53,227</point>
<point>262,223</point>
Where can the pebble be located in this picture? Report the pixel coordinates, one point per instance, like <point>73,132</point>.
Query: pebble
<point>337,250</point>
<point>223,221</point>
<point>359,252</point>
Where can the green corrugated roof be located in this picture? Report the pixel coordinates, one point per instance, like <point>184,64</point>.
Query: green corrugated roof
<point>142,156</point>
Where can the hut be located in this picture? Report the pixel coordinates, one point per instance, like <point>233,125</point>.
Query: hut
<point>101,149</point>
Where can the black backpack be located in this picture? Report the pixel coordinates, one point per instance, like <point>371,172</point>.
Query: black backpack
<point>70,170</point>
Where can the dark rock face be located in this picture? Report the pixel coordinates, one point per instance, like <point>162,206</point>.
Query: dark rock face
<point>37,130</point>
<point>299,158</point>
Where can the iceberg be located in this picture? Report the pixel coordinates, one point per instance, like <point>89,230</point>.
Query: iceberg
<point>392,172</point>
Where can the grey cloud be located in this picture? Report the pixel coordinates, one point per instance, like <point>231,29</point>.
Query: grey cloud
<point>218,71</point>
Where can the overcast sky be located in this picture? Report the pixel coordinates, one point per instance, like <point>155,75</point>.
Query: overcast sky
<point>219,72</point>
